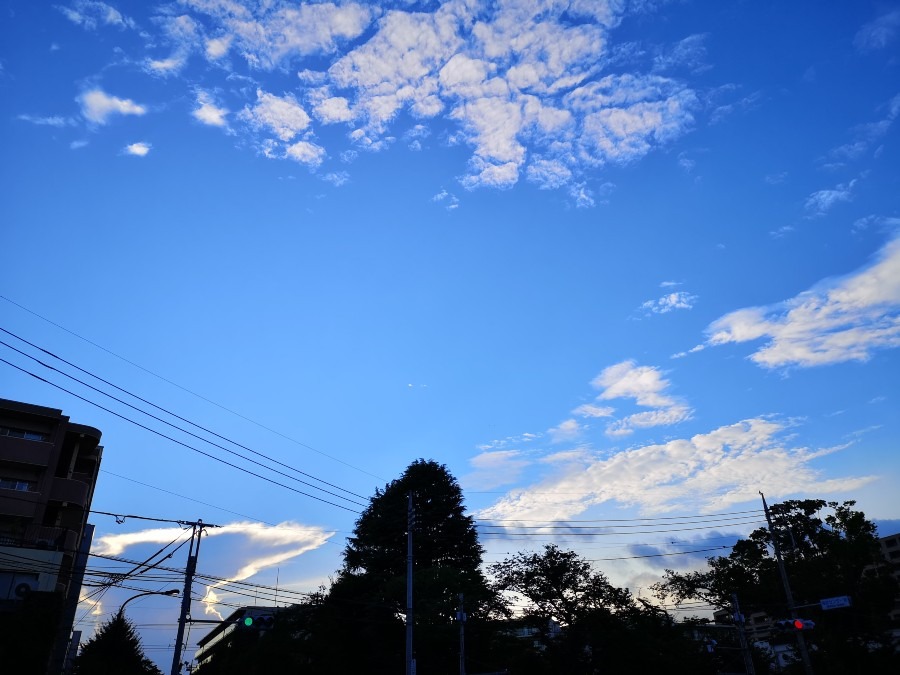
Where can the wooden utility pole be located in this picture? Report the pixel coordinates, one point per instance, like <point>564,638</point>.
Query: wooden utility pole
<point>801,640</point>
<point>410,526</point>
<point>193,552</point>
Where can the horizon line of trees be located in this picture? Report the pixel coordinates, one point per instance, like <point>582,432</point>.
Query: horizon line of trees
<point>547,612</point>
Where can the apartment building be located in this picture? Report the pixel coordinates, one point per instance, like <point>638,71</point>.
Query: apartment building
<point>48,470</point>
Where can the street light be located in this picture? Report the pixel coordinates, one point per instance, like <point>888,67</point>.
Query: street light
<point>170,592</point>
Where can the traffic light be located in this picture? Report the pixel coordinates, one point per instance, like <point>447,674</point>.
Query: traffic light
<point>261,622</point>
<point>794,625</point>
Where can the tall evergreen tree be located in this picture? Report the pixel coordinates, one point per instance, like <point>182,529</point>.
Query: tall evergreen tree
<point>447,560</point>
<point>114,650</point>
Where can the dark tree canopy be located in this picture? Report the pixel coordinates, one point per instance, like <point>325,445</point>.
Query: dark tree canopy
<point>444,535</point>
<point>602,628</point>
<point>114,650</point>
<point>829,550</point>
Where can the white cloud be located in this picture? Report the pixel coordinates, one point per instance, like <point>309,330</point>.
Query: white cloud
<point>216,48</point>
<point>843,319</point>
<point>98,106</point>
<point>669,302</point>
<point>169,66</point>
<point>450,200</point>
<point>272,34</point>
<point>283,116</point>
<point>820,202</point>
<point>879,33</point>
<point>524,82</point>
<point>139,149</point>
<point>208,112</point>
<point>565,431</point>
<point>705,473</point>
<point>306,153</point>
<point>495,468</point>
<point>590,410</point>
<point>77,145</point>
<point>647,387</point>
<point>90,14</point>
<point>298,539</point>
<point>337,178</point>
<point>48,121</point>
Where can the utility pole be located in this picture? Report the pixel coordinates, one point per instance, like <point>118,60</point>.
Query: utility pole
<point>193,552</point>
<point>410,525</point>
<point>801,640</point>
<point>461,617</point>
<point>742,636</point>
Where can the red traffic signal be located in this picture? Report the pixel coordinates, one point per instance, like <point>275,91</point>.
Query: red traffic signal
<point>794,625</point>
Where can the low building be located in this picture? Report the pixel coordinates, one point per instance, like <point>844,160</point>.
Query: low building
<point>242,621</point>
<point>48,470</point>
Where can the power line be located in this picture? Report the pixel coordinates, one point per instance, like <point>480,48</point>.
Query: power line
<point>185,389</point>
<point>186,445</point>
<point>175,426</point>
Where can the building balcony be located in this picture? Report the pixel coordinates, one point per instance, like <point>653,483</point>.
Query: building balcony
<point>69,490</point>
<point>18,503</point>
<point>25,451</point>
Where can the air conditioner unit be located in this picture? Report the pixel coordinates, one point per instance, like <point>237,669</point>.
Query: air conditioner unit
<point>25,588</point>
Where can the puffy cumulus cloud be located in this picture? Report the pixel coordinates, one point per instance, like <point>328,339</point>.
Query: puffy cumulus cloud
<point>207,112</point>
<point>705,473</point>
<point>272,34</point>
<point>838,320</point>
<point>283,116</point>
<point>306,153</point>
<point>216,48</point>
<point>524,81</point>
<point>494,468</point>
<point>647,387</point>
<point>669,303</point>
<point>90,14</point>
<point>139,149</point>
<point>879,33</point>
<point>97,106</point>
<point>820,202</point>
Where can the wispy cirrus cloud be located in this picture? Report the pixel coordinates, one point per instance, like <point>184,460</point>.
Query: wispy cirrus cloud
<point>822,201</point>
<point>704,473</point>
<point>879,33</point>
<point>90,15</point>
<point>843,319</point>
<point>494,468</point>
<point>289,538</point>
<point>48,121</point>
<point>97,106</point>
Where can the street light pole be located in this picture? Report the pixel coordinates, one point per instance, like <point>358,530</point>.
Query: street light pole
<point>170,592</point>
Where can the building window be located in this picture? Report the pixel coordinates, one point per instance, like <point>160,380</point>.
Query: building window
<point>18,484</point>
<point>24,433</point>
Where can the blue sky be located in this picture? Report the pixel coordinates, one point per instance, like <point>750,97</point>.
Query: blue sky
<point>606,260</point>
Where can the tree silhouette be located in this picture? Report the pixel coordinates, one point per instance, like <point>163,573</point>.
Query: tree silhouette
<point>114,650</point>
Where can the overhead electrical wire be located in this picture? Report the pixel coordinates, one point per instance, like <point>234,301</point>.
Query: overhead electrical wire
<point>185,389</point>
<point>174,440</point>
<point>189,433</point>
